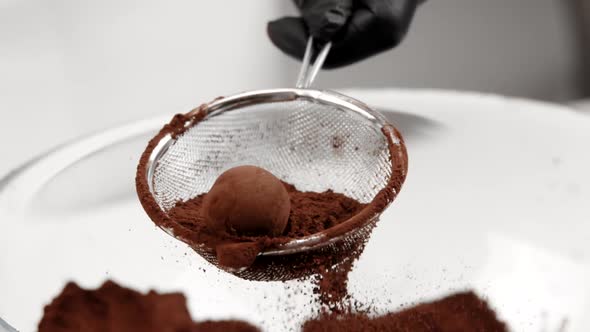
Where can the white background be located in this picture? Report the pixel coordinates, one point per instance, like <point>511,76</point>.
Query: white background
<point>71,67</point>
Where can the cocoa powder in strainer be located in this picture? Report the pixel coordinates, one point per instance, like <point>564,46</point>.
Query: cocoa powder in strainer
<point>359,218</point>
<point>311,212</point>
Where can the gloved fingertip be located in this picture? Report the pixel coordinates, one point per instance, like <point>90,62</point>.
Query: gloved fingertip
<point>274,30</point>
<point>333,63</point>
<point>289,34</point>
<point>326,17</point>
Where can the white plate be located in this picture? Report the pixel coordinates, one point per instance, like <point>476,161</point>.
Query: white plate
<point>497,200</point>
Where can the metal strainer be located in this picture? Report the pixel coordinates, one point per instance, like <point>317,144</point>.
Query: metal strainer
<point>313,139</point>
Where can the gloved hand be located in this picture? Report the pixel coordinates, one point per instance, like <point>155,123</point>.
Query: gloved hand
<point>357,28</point>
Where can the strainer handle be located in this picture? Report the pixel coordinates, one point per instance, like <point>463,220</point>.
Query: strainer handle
<point>307,74</point>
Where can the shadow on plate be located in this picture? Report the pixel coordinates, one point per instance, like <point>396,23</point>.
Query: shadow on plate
<point>413,127</point>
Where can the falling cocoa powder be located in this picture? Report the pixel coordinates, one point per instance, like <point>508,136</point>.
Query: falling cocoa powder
<point>112,308</point>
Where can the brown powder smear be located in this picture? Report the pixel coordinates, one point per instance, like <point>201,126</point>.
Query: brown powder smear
<point>112,308</point>
<point>462,312</point>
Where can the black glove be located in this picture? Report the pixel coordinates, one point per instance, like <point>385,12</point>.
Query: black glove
<point>357,28</point>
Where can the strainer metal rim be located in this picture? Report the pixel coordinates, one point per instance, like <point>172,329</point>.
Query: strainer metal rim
<point>244,99</point>
<point>289,94</point>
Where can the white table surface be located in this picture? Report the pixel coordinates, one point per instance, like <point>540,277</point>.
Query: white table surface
<point>582,106</point>
<point>497,199</point>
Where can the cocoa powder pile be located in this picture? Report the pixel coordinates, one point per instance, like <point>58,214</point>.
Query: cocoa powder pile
<point>311,212</point>
<point>461,312</point>
<point>112,308</point>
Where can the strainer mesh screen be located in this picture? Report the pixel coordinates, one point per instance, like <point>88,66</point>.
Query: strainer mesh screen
<point>311,145</point>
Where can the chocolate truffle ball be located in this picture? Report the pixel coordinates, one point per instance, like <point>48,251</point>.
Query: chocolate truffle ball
<point>247,200</point>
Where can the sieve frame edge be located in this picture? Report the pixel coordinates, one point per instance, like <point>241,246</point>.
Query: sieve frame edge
<point>333,98</point>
